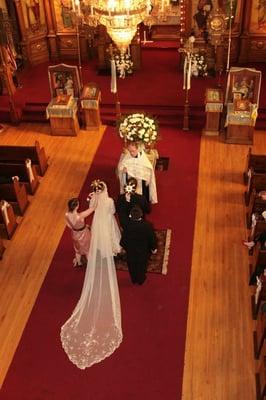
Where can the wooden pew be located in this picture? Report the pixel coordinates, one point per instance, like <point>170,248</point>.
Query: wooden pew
<point>15,194</point>
<point>7,218</point>
<point>2,249</point>
<point>26,172</point>
<point>255,161</point>
<point>14,154</point>
<point>259,334</point>
<point>258,263</point>
<point>256,206</point>
<point>256,181</point>
<point>260,375</point>
<point>261,380</point>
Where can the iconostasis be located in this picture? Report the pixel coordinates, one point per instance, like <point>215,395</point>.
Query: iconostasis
<point>48,28</point>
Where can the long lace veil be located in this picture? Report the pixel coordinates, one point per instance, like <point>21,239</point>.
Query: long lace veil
<point>93,332</point>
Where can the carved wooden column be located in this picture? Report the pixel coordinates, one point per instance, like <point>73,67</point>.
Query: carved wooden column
<point>51,35</point>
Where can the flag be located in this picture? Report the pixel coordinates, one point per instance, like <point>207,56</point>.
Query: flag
<point>113,77</point>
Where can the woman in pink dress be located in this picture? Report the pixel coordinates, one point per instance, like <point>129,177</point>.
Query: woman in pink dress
<point>80,231</point>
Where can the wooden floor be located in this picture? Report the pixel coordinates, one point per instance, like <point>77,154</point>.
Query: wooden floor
<point>219,361</point>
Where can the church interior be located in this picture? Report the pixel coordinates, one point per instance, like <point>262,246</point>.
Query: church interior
<point>74,73</point>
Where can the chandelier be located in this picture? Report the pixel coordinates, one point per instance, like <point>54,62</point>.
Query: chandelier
<point>120,17</point>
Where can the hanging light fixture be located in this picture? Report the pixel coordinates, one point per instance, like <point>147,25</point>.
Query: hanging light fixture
<point>120,17</point>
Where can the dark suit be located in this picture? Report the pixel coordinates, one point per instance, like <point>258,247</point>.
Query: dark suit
<point>123,206</point>
<point>138,240</point>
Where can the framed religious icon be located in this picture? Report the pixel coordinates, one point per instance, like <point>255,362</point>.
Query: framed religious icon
<point>33,15</point>
<point>242,105</point>
<point>214,95</point>
<point>257,23</point>
<point>64,16</point>
<point>64,80</point>
<point>237,95</point>
<point>202,10</point>
<point>246,81</point>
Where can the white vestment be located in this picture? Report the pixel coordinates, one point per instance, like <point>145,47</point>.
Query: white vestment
<point>93,332</point>
<point>140,168</point>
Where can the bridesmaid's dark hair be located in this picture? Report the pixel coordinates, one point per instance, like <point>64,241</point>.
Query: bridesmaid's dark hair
<point>72,204</point>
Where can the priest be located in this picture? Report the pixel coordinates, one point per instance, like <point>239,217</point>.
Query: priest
<point>134,163</point>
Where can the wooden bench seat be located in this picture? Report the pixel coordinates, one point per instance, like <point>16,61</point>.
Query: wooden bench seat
<point>256,206</point>
<point>258,263</point>
<point>259,334</point>
<point>2,249</point>
<point>15,194</point>
<point>255,161</point>
<point>256,181</point>
<point>26,172</point>
<point>14,154</point>
<point>257,229</point>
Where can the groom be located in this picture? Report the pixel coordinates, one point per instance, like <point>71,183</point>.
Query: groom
<point>139,241</point>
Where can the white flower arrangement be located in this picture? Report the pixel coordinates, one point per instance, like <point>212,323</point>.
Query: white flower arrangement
<point>198,65</point>
<point>138,127</point>
<point>124,64</point>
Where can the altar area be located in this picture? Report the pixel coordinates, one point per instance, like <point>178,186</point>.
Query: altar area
<point>139,92</point>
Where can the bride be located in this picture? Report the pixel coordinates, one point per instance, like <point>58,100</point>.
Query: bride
<point>93,332</point>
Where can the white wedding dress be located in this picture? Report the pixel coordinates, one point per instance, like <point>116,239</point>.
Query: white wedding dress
<point>93,332</point>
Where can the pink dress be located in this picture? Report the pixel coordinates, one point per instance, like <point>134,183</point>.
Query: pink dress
<point>81,234</point>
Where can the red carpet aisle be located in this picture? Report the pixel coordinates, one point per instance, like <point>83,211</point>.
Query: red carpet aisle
<point>149,362</point>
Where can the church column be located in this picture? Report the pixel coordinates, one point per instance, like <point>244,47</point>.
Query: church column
<point>51,35</point>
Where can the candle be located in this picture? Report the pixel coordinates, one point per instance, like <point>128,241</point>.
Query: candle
<point>185,73</point>
<point>189,74</point>
<point>148,7</point>
<point>144,38</point>
<point>91,9</point>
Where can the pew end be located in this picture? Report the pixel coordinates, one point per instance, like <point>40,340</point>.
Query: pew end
<point>15,193</point>
<point>8,221</point>
<point>43,161</point>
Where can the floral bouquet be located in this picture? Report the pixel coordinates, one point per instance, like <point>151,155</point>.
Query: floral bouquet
<point>198,65</point>
<point>124,64</point>
<point>138,127</point>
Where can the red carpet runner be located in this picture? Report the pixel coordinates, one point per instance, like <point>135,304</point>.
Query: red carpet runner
<point>149,362</point>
